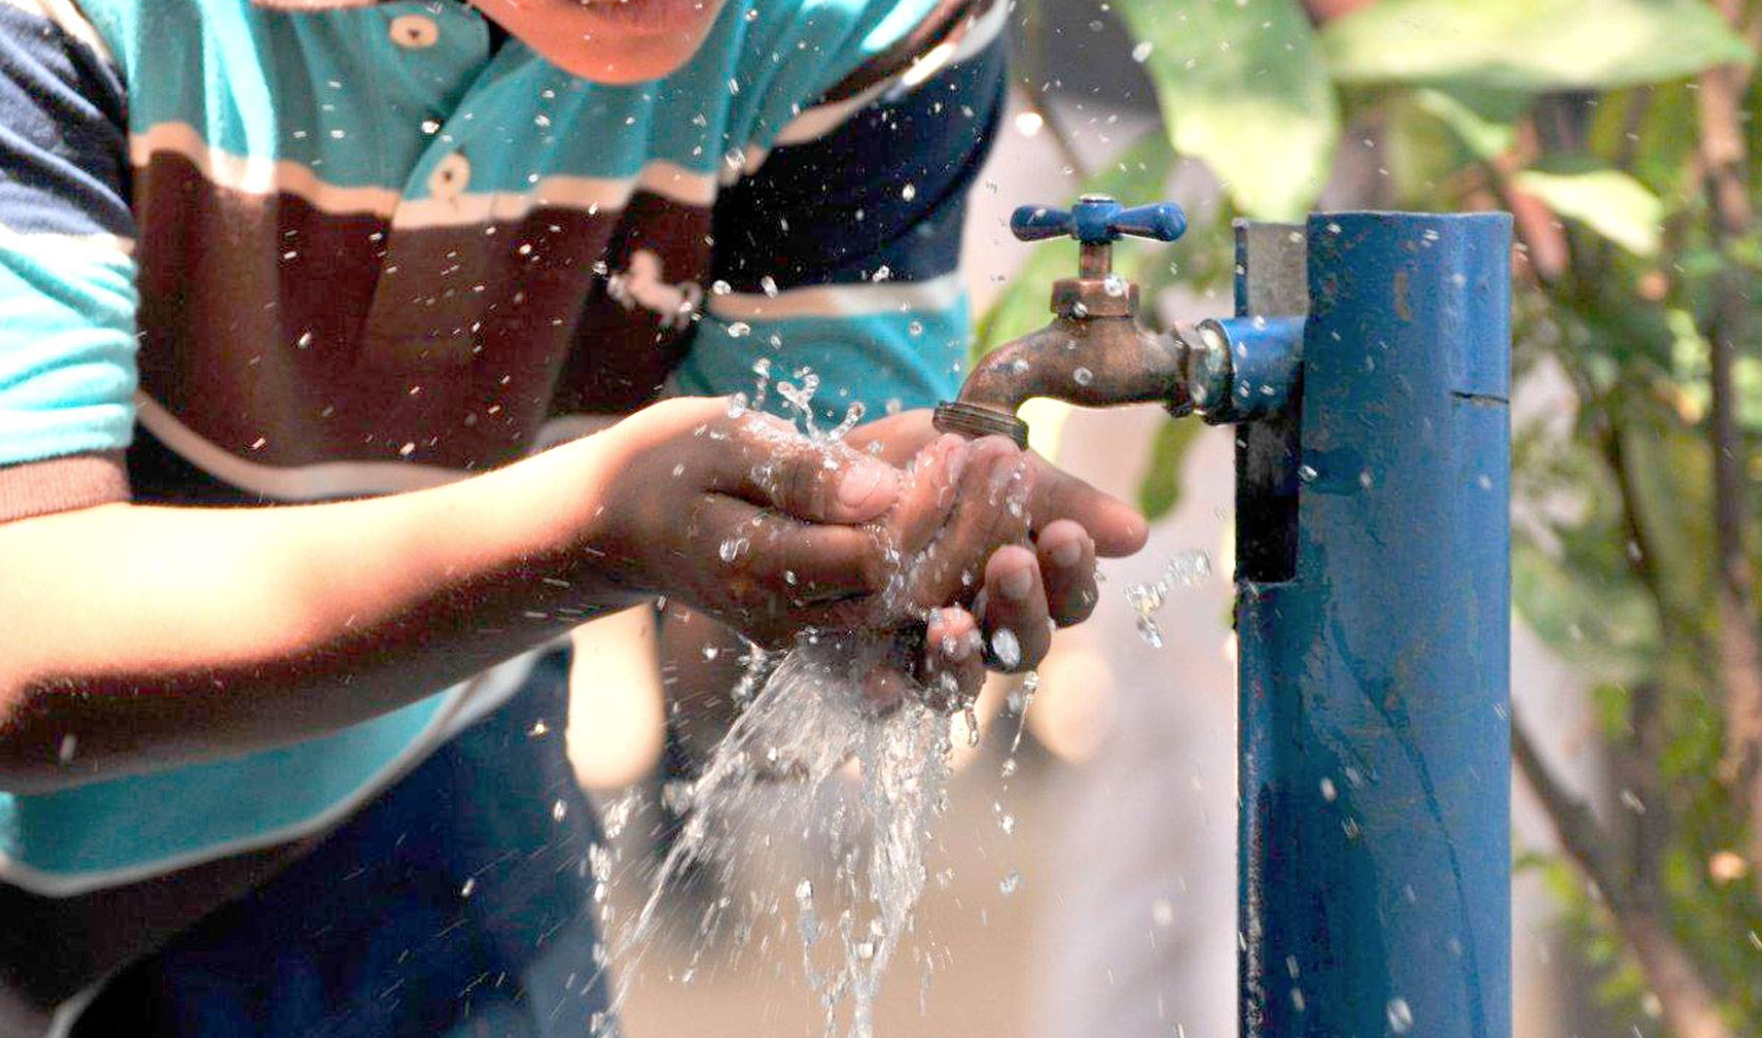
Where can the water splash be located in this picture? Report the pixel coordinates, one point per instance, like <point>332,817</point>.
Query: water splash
<point>809,718</point>
<point>1187,569</point>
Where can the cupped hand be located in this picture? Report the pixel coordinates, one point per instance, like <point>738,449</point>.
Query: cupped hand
<point>999,530</point>
<point>737,515</point>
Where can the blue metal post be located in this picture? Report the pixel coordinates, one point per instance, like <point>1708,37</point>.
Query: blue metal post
<point>1374,640</point>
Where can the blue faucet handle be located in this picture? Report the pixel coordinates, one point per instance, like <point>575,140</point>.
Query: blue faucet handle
<point>1163,221</point>
<point>1099,220</point>
<point>1037,222</point>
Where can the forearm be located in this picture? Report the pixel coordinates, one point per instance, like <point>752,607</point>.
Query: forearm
<point>140,637</point>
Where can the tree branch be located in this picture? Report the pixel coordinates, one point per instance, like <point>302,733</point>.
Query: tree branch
<point>1689,1004</point>
<point>1724,157</point>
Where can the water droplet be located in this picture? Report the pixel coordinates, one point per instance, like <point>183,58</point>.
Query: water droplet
<point>1010,883</point>
<point>1141,53</point>
<point>916,328</point>
<point>1007,648</point>
<point>70,745</point>
<point>908,192</point>
<point>1082,376</point>
<point>1328,792</point>
<point>470,885</point>
<point>768,285</point>
<point>1307,473</point>
<point>559,810</point>
<point>1400,1016</point>
<point>739,329</point>
<point>1114,285</point>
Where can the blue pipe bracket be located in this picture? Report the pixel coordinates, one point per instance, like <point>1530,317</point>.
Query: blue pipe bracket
<point>1374,740</point>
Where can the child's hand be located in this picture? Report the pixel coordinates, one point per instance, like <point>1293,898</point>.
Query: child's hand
<point>1002,531</point>
<point>742,518</point>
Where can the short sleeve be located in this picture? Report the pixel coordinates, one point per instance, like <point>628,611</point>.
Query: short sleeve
<point>67,275</point>
<point>841,252</point>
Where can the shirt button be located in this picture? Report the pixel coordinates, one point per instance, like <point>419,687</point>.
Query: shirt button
<point>449,178</point>
<point>414,31</point>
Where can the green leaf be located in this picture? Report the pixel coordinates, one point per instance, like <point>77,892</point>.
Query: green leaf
<point>1606,200</point>
<point>1243,87</point>
<point>1530,45</point>
<point>1160,489</point>
<point>1485,120</point>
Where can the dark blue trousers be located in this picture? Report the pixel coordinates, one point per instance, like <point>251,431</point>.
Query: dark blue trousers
<point>455,904</point>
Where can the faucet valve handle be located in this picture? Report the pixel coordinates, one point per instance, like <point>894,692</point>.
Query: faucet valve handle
<point>1099,220</point>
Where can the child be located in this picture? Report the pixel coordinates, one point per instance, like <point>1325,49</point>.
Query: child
<point>286,770</point>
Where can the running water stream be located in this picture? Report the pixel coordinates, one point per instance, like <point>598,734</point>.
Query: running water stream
<point>805,720</point>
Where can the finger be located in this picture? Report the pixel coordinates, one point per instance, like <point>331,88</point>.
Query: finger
<point>930,494</point>
<point>772,464</point>
<point>953,666</point>
<point>1116,527</point>
<point>1015,620</point>
<point>989,512</point>
<point>764,566</point>
<point>887,685</point>
<point>1067,564</point>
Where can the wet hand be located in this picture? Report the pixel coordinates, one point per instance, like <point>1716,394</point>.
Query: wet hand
<point>1002,531</point>
<point>739,516</point>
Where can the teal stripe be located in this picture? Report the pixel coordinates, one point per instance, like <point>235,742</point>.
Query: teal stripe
<point>331,91</point>
<point>887,362</point>
<point>67,355</point>
<point>143,819</point>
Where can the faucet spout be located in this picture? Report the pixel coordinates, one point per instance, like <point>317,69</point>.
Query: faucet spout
<point>1090,361</point>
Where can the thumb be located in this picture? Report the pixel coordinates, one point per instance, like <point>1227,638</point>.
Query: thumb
<point>1116,527</point>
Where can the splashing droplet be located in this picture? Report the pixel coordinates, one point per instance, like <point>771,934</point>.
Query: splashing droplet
<point>1400,1016</point>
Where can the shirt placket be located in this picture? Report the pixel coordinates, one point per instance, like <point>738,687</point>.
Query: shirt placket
<point>437,266</point>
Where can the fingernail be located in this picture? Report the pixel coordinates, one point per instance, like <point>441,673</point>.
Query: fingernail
<point>1016,586</point>
<point>866,487</point>
<point>1068,553</point>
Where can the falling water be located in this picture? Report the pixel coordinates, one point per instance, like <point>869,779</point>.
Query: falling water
<point>806,715</point>
<point>806,721</point>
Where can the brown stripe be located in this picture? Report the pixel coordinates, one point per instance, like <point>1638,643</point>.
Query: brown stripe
<point>290,336</point>
<point>946,23</point>
<point>62,484</point>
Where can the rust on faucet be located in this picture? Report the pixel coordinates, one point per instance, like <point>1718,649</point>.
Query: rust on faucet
<point>1094,353</point>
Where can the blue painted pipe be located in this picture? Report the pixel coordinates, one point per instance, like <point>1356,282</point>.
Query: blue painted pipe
<point>1245,367</point>
<point>1375,758</point>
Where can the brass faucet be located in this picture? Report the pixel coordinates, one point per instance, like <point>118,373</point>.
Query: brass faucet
<point>1096,354</point>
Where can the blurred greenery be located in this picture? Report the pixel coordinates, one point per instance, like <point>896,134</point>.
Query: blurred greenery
<point>1586,119</point>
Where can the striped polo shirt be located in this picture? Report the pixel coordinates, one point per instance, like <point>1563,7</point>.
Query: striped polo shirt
<point>292,250</point>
